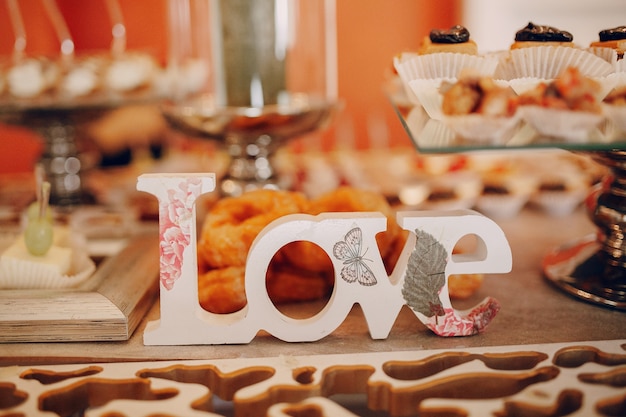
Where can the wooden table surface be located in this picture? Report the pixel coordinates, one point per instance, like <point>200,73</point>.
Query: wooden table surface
<point>533,312</point>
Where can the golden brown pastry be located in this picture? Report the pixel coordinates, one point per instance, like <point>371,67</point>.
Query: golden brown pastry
<point>234,222</point>
<point>480,95</point>
<point>300,271</point>
<point>614,38</point>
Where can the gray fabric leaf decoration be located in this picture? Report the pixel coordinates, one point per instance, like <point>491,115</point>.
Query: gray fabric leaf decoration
<point>425,275</point>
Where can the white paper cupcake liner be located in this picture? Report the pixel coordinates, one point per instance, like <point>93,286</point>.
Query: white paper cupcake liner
<point>501,206</point>
<point>20,274</point>
<point>524,84</point>
<point>616,114</point>
<point>571,126</point>
<point>608,54</point>
<point>405,75</point>
<point>559,203</point>
<point>445,65</point>
<point>465,185</point>
<point>482,129</point>
<point>428,93</point>
<point>547,62</point>
<point>435,134</point>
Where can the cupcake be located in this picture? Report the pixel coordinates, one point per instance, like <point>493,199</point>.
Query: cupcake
<point>441,62</point>
<point>131,73</point>
<point>560,194</point>
<point>541,53</point>
<point>82,78</point>
<point>505,193</point>
<point>613,39</point>
<point>452,191</point>
<point>31,78</point>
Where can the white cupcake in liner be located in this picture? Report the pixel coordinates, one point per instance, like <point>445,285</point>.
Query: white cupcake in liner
<point>480,129</point>
<point>516,189</point>
<point>23,274</point>
<point>567,125</point>
<point>524,84</point>
<point>559,203</point>
<point>548,62</point>
<point>501,206</point>
<point>565,199</point>
<point>453,191</point>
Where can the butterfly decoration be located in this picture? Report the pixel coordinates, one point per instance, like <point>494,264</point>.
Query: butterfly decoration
<point>349,251</point>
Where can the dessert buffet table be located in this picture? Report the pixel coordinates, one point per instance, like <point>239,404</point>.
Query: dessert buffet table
<point>532,312</point>
<point>530,358</point>
<point>540,335</point>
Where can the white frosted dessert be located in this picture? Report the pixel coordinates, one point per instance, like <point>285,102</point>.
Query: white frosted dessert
<point>65,264</point>
<point>31,77</point>
<point>130,72</point>
<point>82,78</point>
<point>57,260</point>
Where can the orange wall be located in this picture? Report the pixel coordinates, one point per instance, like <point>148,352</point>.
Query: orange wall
<point>369,33</point>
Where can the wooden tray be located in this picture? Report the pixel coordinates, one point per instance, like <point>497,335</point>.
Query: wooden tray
<point>108,307</point>
<point>580,379</point>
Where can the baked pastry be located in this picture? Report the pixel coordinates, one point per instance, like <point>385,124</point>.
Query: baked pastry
<point>569,91</point>
<point>614,38</point>
<point>541,35</point>
<point>32,77</point>
<point>453,40</point>
<point>477,94</point>
<point>300,271</point>
<point>131,73</point>
<point>479,109</point>
<point>566,108</point>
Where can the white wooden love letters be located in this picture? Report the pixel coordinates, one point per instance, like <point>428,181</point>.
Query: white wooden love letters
<point>419,279</point>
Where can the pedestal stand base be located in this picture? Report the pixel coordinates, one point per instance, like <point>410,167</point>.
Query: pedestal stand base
<point>579,269</point>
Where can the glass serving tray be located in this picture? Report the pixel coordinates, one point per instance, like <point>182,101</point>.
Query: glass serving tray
<point>437,136</point>
<point>606,132</point>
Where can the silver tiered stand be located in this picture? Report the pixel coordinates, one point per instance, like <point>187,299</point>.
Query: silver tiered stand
<point>592,268</point>
<point>58,127</point>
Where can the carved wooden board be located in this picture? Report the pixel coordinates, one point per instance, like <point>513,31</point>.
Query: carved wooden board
<point>583,379</point>
<point>109,306</point>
